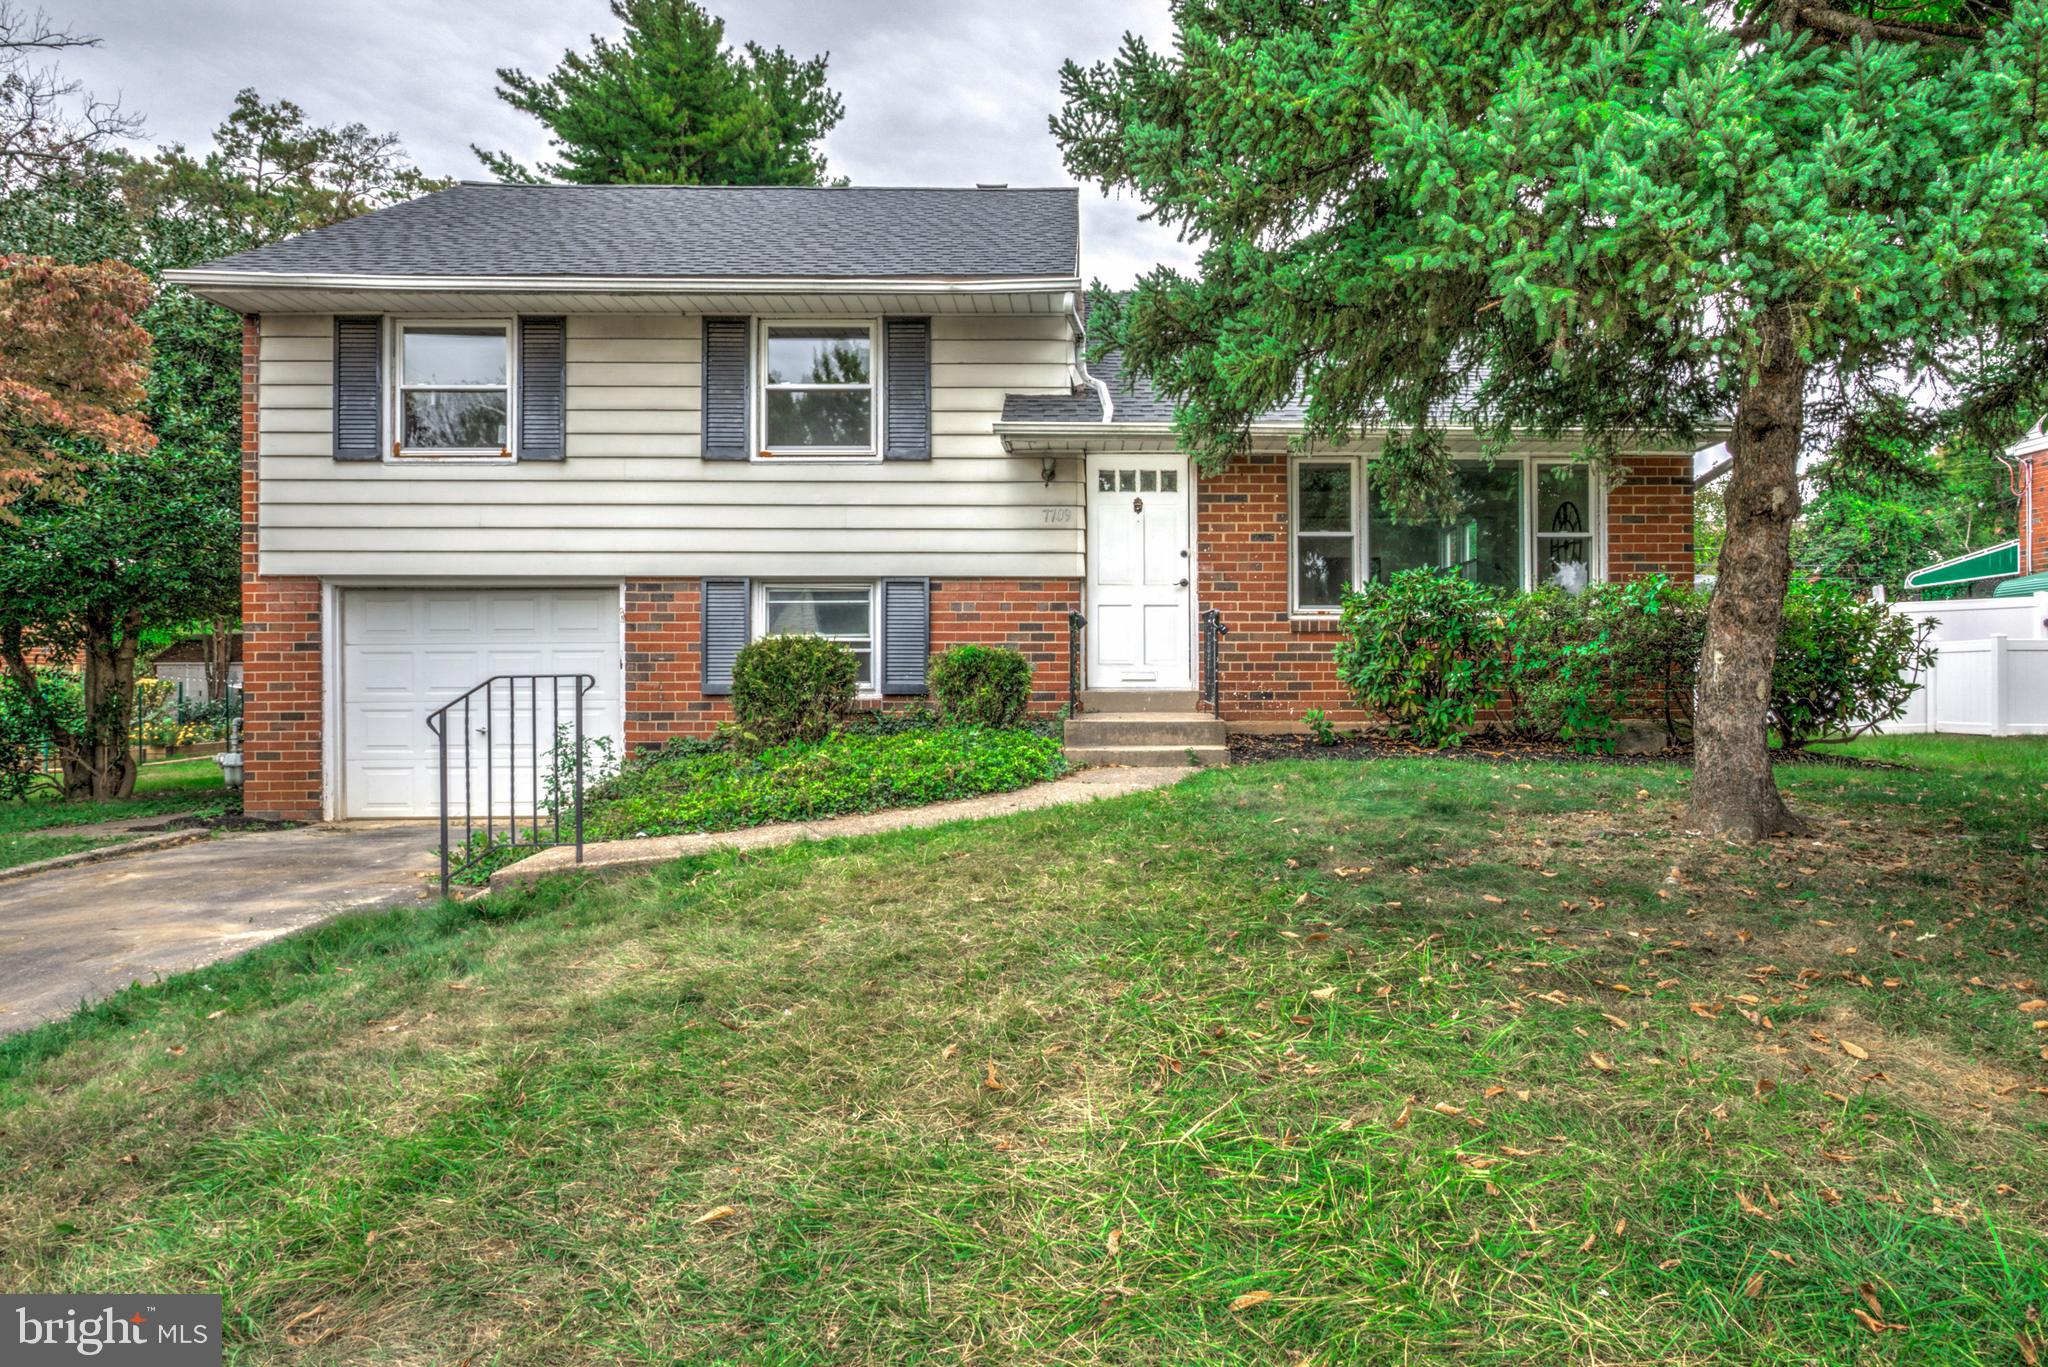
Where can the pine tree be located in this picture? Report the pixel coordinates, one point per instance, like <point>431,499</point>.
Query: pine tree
<point>1611,218</point>
<point>670,104</point>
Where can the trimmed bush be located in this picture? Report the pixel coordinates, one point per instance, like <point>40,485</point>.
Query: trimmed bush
<point>1426,650</point>
<point>788,688</point>
<point>981,685</point>
<point>670,793</point>
<point>1843,664</point>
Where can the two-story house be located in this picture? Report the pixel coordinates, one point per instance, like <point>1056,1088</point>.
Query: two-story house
<point>621,430</point>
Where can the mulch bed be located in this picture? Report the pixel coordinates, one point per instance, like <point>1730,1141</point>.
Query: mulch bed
<point>1487,748</point>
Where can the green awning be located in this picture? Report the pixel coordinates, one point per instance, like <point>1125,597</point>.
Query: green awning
<point>2021,587</point>
<point>1993,562</point>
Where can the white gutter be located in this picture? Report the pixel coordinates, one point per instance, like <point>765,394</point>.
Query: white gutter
<point>200,278</point>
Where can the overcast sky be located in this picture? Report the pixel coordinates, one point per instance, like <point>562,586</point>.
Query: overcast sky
<point>938,92</point>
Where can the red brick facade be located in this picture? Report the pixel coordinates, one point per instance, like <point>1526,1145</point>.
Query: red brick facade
<point>2033,492</point>
<point>281,673</point>
<point>664,655</point>
<point>1275,667</point>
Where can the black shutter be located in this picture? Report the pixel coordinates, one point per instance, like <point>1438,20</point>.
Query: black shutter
<point>907,377</point>
<point>359,389</point>
<point>728,612</point>
<point>906,634</point>
<point>543,388</point>
<point>725,388</point>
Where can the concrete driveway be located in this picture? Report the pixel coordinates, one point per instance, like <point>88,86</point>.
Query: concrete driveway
<point>81,933</point>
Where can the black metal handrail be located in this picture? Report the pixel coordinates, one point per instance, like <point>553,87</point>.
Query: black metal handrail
<point>1076,623</point>
<point>501,730</point>
<point>1213,632</point>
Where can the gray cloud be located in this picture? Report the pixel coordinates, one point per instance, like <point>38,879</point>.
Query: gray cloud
<point>936,93</point>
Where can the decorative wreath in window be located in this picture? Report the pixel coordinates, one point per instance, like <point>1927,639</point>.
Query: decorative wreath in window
<point>1567,518</point>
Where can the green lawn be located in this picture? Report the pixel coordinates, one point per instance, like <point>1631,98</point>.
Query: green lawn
<point>36,829</point>
<point>1397,1061</point>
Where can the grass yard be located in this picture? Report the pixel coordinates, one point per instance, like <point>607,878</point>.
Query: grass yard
<point>1400,1061</point>
<point>38,828</point>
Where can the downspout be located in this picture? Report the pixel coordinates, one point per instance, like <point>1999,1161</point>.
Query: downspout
<point>1100,387</point>
<point>2019,478</point>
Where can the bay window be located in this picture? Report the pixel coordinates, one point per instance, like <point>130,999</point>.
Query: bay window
<point>1522,522</point>
<point>454,394</point>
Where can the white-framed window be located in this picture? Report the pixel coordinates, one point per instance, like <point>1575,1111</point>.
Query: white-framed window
<point>452,390</point>
<point>1325,524</point>
<point>819,388</point>
<point>1525,521</point>
<point>1565,552</point>
<point>839,612</point>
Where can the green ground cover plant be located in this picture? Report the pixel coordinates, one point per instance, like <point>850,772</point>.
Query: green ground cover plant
<point>1380,1062</point>
<point>722,788</point>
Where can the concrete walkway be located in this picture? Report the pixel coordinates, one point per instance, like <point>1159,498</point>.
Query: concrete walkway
<point>1085,786</point>
<point>78,934</point>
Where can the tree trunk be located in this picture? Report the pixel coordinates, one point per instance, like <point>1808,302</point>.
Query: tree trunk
<point>103,768</point>
<point>1733,792</point>
<point>219,661</point>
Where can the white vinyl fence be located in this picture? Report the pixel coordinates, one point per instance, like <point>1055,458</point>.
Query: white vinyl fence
<point>1991,678</point>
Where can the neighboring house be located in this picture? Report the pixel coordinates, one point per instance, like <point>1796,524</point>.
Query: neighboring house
<point>184,664</point>
<point>1989,625</point>
<point>2011,569</point>
<point>623,429</point>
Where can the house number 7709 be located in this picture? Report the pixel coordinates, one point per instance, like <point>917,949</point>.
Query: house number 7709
<point>1057,516</point>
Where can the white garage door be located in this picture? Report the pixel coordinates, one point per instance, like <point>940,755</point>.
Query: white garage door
<point>406,652</point>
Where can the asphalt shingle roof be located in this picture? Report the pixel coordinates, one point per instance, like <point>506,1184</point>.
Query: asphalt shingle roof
<point>1131,395</point>
<point>693,231</point>
<point>1134,400</point>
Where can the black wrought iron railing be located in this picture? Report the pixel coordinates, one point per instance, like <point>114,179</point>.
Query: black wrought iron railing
<point>511,768</point>
<point>1213,632</point>
<point>1076,624</point>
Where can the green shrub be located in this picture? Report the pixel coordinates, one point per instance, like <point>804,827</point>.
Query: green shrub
<point>1580,663</point>
<point>1426,650</point>
<point>24,738</point>
<point>981,685</point>
<point>1842,665</point>
<point>667,793</point>
<point>793,687</point>
<point>1320,727</point>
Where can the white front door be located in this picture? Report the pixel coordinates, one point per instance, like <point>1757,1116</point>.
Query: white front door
<point>1140,572</point>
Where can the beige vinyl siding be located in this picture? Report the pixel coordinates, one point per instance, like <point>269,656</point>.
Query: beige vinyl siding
<point>634,498</point>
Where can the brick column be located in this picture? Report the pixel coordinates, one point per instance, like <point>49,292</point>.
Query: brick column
<point>281,666</point>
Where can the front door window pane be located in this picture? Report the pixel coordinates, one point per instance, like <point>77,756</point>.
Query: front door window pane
<point>1483,541</point>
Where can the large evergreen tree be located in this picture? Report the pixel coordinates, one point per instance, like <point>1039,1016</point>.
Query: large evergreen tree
<point>1608,217</point>
<point>669,104</point>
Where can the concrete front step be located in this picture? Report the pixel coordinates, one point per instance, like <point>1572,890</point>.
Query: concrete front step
<point>1145,728</point>
<point>1150,756</point>
<point>1120,700</point>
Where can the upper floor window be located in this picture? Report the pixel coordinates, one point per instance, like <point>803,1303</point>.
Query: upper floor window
<point>818,382</point>
<point>454,389</point>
